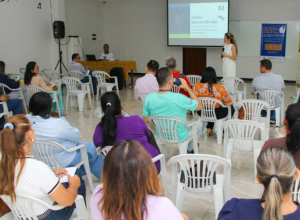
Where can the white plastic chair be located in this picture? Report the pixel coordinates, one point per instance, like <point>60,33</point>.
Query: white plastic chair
<point>20,92</point>
<point>252,111</point>
<point>44,151</point>
<point>163,173</point>
<point>32,89</point>
<point>270,97</point>
<point>99,114</point>
<point>242,136</point>
<point>208,115</point>
<point>22,70</point>
<point>23,207</point>
<point>233,83</point>
<point>194,79</point>
<point>168,135</point>
<point>5,112</point>
<point>7,216</point>
<point>142,97</point>
<point>77,74</point>
<point>296,191</point>
<point>73,91</point>
<point>175,89</point>
<point>16,76</point>
<point>200,174</point>
<point>103,85</point>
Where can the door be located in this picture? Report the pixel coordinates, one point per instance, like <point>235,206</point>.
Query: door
<point>194,61</point>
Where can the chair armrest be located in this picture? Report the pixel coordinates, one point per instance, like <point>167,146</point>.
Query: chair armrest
<point>191,124</point>
<point>80,208</point>
<point>52,207</point>
<point>79,147</point>
<point>114,77</point>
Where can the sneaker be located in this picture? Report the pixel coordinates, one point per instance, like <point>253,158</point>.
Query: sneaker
<point>191,152</point>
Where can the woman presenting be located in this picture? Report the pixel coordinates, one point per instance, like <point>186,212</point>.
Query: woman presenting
<point>229,55</point>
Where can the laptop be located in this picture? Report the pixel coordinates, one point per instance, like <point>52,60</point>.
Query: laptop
<point>91,57</point>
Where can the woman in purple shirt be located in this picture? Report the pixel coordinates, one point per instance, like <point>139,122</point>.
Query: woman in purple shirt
<point>114,127</point>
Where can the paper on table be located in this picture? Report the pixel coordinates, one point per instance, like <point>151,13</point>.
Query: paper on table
<point>71,172</point>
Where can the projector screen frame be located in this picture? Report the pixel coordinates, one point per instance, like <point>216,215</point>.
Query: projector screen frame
<point>193,46</point>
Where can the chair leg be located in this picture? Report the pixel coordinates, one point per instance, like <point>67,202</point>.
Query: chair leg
<point>90,99</point>
<point>183,147</point>
<point>219,131</point>
<point>179,196</point>
<point>278,121</point>
<point>80,98</point>
<point>97,96</point>
<point>256,152</point>
<point>218,194</point>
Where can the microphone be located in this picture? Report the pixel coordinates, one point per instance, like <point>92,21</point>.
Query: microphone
<point>222,51</point>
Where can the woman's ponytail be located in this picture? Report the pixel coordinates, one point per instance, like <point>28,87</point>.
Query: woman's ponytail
<point>111,107</point>
<point>12,142</point>
<point>276,170</point>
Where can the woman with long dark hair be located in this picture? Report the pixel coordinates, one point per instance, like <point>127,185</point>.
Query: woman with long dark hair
<point>276,171</point>
<point>208,87</point>
<point>113,127</point>
<point>31,77</point>
<point>292,128</point>
<point>21,174</point>
<point>229,55</point>
<point>130,189</point>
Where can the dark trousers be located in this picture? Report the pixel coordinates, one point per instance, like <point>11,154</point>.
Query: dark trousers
<point>14,105</point>
<point>220,113</point>
<point>94,82</point>
<point>152,141</point>
<point>65,213</point>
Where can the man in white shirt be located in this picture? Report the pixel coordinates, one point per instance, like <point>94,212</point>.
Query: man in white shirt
<point>106,55</point>
<point>75,65</point>
<point>148,83</point>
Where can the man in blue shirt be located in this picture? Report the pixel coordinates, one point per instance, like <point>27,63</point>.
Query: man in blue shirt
<point>168,104</point>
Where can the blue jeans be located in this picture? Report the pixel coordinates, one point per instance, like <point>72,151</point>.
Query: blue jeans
<point>199,130</point>
<point>94,82</point>
<point>14,105</point>
<point>63,214</point>
<point>95,161</point>
<point>264,113</point>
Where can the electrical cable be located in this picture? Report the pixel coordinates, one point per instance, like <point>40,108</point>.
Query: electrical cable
<point>81,48</point>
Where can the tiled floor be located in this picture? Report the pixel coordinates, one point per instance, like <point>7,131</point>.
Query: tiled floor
<point>242,175</point>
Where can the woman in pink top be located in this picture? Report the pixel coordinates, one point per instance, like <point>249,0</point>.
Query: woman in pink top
<point>130,189</point>
<point>31,77</point>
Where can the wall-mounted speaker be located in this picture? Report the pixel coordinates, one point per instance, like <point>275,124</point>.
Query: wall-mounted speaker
<point>59,29</point>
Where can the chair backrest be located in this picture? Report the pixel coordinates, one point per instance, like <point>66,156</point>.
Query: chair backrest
<point>101,76</point>
<point>76,74</point>
<point>44,151</point>
<point>99,114</point>
<point>163,173</point>
<point>32,89</point>
<point>232,83</point>
<point>142,97</point>
<point>198,172</point>
<point>175,89</point>
<point>16,76</point>
<point>23,207</point>
<point>194,79</point>
<point>269,96</point>
<point>167,128</point>
<point>71,83</point>
<point>252,109</point>
<point>241,134</point>
<point>22,70</point>
<point>208,108</point>
<point>296,191</point>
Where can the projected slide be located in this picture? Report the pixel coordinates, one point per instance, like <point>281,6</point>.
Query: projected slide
<point>199,24</point>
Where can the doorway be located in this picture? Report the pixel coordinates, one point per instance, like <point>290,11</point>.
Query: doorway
<point>194,61</point>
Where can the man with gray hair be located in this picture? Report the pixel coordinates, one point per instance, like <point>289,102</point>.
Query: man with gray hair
<point>171,64</point>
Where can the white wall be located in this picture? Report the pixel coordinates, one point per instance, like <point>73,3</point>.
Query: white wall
<point>137,30</point>
<point>26,33</point>
<point>84,18</point>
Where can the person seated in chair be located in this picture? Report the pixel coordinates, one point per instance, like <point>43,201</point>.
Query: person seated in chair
<point>75,65</point>
<point>130,188</point>
<point>209,88</point>
<point>168,104</point>
<point>60,131</point>
<point>21,174</point>
<point>31,77</point>
<point>13,84</point>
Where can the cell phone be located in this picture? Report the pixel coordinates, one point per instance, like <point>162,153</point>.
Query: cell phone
<point>18,78</point>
